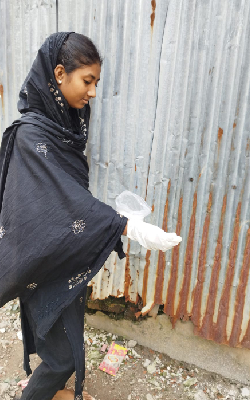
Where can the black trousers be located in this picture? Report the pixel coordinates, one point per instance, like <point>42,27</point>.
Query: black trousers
<point>58,362</point>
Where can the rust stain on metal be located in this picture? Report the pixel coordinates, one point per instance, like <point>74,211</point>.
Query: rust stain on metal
<point>169,305</point>
<point>220,334</point>
<point>220,134</point>
<point>146,312</point>
<point>135,167</point>
<point>161,257</point>
<point>234,125</point>
<point>246,339</point>
<point>145,278</point>
<point>127,274</point>
<point>183,298</point>
<point>248,145</point>
<point>197,293</point>
<point>160,278</point>
<point>152,17</point>
<point>153,208</point>
<point>1,95</point>
<point>240,297</point>
<point>206,329</point>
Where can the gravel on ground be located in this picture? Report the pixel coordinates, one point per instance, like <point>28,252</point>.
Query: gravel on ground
<point>143,375</point>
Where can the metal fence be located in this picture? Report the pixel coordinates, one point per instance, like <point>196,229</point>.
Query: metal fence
<point>171,123</point>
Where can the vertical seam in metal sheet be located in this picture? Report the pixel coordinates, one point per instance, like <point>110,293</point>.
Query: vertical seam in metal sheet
<point>163,31</point>
<point>56,15</point>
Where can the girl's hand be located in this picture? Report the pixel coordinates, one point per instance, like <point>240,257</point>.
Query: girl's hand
<point>150,236</point>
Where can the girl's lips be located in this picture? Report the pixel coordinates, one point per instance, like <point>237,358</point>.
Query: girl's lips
<point>85,101</point>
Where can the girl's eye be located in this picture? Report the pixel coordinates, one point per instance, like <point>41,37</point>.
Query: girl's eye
<point>87,82</point>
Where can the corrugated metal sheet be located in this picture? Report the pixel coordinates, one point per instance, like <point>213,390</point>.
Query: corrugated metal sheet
<point>24,25</point>
<point>171,123</point>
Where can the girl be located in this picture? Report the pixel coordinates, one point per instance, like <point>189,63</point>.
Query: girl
<point>54,235</point>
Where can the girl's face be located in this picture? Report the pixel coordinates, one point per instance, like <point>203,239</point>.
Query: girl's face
<point>79,86</point>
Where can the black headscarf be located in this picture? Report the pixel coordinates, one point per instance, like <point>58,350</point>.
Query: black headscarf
<point>54,235</point>
<point>40,90</point>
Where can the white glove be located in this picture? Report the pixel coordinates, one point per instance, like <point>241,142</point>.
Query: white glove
<point>150,236</point>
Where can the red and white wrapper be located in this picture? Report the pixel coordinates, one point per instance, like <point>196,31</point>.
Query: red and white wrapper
<point>113,359</point>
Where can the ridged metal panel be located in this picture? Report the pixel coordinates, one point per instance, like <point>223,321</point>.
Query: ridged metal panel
<point>171,123</point>
<point>203,164</point>
<point>24,25</point>
<point>123,114</point>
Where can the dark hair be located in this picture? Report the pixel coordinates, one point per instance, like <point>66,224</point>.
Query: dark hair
<point>76,51</point>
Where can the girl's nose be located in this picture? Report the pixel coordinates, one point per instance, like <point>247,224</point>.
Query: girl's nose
<point>92,91</point>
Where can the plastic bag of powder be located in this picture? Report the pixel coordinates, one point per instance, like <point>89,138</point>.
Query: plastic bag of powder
<point>131,205</point>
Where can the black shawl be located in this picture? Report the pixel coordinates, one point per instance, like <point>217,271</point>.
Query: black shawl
<point>54,235</point>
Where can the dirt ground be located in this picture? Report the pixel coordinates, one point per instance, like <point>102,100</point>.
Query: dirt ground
<point>144,374</point>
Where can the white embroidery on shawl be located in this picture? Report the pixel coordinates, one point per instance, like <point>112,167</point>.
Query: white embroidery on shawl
<point>68,141</point>
<point>119,214</point>
<point>83,126</point>
<point>81,300</point>
<point>74,281</point>
<point>42,148</point>
<point>79,397</point>
<point>2,232</point>
<point>55,92</point>
<point>32,286</point>
<point>78,226</point>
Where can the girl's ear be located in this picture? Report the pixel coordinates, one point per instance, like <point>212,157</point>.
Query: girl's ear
<point>59,73</point>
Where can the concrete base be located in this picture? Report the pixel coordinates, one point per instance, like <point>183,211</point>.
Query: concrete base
<point>179,343</point>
